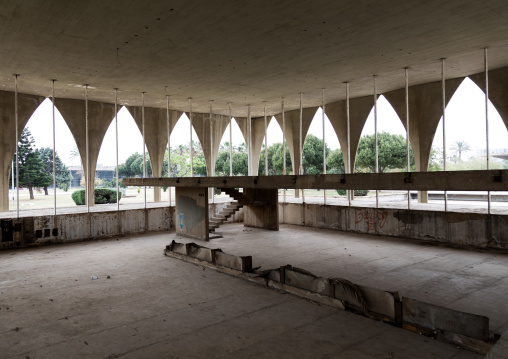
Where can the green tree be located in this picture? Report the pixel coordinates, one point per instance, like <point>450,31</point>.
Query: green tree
<point>335,162</point>
<point>63,174</point>
<point>313,155</point>
<point>391,152</point>
<point>460,147</point>
<point>31,168</point>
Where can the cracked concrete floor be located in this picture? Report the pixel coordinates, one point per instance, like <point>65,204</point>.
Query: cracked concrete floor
<point>154,306</point>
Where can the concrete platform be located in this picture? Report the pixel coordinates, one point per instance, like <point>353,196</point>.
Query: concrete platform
<point>154,306</point>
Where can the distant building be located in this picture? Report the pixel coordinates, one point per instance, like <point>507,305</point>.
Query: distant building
<point>103,172</point>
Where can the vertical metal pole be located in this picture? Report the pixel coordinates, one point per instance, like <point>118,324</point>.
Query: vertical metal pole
<point>230,142</point>
<point>87,186</point>
<point>17,141</point>
<point>301,143</point>
<point>375,137</point>
<point>324,139</point>
<point>283,143</point>
<point>249,123</point>
<point>212,163</point>
<point>406,72</point>
<point>144,143</point>
<point>191,146</point>
<point>348,170</point>
<point>443,104</point>
<point>169,145</point>
<point>266,142</point>
<point>486,63</point>
<point>54,144</point>
<point>116,142</point>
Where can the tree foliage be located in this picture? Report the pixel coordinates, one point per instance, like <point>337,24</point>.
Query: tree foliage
<point>391,153</point>
<point>63,174</point>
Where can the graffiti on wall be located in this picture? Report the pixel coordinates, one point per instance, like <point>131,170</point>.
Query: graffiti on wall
<point>375,219</point>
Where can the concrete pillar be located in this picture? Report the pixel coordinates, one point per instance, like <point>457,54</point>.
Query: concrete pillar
<point>201,124</point>
<point>359,109</point>
<point>27,104</point>
<point>100,116</point>
<point>156,136</point>
<point>498,90</point>
<point>425,112</point>
<point>258,136</point>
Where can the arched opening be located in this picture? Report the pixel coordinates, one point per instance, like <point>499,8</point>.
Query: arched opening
<point>36,161</point>
<point>181,150</point>
<point>274,151</point>
<point>239,149</point>
<point>130,159</point>
<point>466,141</point>
<point>312,154</point>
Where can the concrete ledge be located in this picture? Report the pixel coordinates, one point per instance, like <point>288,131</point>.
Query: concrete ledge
<point>428,317</point>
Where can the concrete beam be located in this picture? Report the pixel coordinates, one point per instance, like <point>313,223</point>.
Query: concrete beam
<point>493,180</point>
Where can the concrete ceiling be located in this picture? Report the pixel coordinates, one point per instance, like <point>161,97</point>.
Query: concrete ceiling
<point>244,52</point>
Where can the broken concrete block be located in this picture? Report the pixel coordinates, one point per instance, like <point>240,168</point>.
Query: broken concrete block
<point>432,317</point>
<point>306,280</point>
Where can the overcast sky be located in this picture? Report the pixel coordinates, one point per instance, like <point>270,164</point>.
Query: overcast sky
<point>465,121</point>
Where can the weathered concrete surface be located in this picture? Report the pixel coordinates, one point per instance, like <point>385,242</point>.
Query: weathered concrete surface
<point>59,310</point>
<point>432,318</point>
<point>263,216</point>
<point>463,229</point>
<point>191,212</point>
<point>468,281</point>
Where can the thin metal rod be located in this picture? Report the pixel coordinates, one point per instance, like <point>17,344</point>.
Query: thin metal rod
<point>266,142</point>
<point>348,170</point>
<point>212,163</point>
<point>87,190</point>
<point>443,105</point>
<point>249,123</point>
<point>17,141</point>
<point>283,142</point>
<point>301,143</point>
<point>191,146</point>
<point>406,90</point>
<point>486,63</point>
<point>230,142</point>
<point>375,137</point>
<point>169,144</point>
<point>144,143</point>
<point>324,139</point>
<point>116,142</point>
<point>54,144</point>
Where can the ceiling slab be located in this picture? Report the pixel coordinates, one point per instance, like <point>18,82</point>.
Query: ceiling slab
<point>243,52</point>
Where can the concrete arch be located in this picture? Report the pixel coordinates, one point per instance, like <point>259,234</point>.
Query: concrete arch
<point>498,90</point>
<point>425,112</point>
<point>359,109</point>
<point>156,135</point>
<point>27,104</point>
<point>100,115</point>
<point>292,119</point>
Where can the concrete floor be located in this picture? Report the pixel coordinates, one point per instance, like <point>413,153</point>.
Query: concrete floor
<point>154,306</point>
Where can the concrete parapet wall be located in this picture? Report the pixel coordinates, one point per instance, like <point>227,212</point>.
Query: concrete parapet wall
<point>66,228</point>
<point>465,229</point>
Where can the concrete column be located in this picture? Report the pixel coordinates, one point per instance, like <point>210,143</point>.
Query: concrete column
<point>156,133</point>
<point>100,116</point>
<point>359,109</point>
<point>258,136</point>
<point>27,104</point>
<point>201,124</point>
<point>498,90</point>
<point>425,112</point>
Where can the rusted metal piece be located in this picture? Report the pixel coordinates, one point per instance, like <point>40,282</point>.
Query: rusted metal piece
<point>482,180</point>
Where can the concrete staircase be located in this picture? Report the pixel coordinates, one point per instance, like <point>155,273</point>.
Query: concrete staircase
<point>230,209</point>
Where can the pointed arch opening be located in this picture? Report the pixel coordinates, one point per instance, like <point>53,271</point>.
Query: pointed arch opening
<point>181,150</point>
<point>36,161</point>
<point>466,141</point>
<point>239,150</point>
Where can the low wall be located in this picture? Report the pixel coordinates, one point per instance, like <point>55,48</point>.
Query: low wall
<point>464,229</point>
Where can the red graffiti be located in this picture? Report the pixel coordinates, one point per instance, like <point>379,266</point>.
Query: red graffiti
<point>374,218</point>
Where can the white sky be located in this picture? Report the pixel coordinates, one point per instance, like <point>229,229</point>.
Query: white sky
<point>465,121</point>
